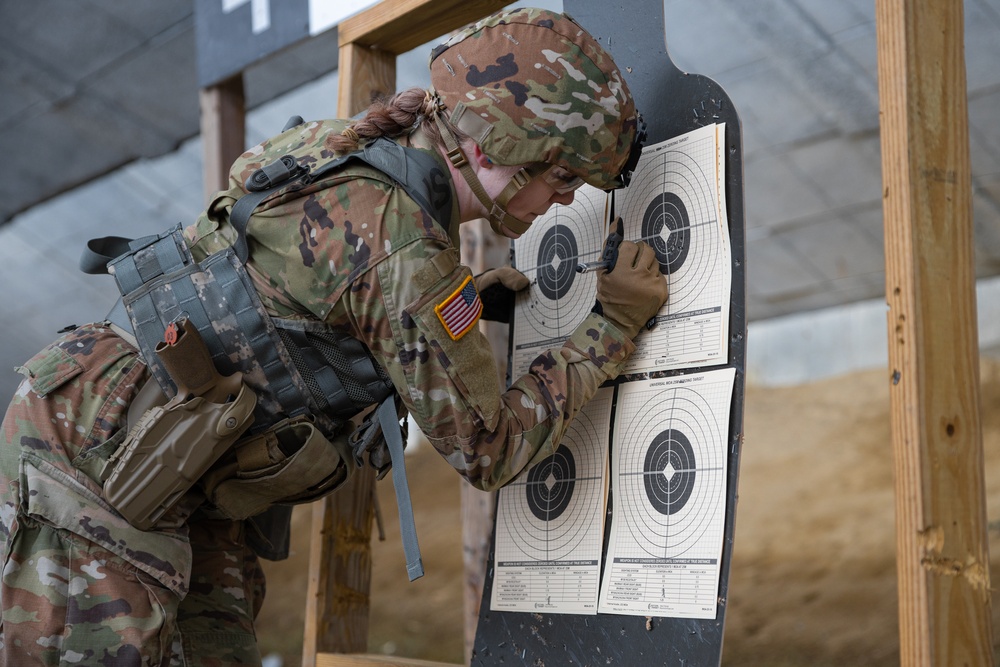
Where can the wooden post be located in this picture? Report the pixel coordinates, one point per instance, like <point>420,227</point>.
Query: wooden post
<point>478,509</point>
<point>340,556</point>
<point>223,131</point>
<point>340,565</point>
<point>365,74</point>
<point>943,562</point>
<point>482,248</point>
<point>337,606</point>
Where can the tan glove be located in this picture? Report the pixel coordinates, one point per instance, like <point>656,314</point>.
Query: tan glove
<point>633,291</point>
<point>496,290</point>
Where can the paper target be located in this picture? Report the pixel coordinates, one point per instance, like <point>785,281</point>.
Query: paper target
<point>548,511</point>
<point>676,204</point>
<point>550,522</point>
<point>667,489</point>
<point>558,298</point>
<point>672,204</point>
<point>668,476</point>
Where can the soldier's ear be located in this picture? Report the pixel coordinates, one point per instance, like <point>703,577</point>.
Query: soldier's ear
<point>480,157</point>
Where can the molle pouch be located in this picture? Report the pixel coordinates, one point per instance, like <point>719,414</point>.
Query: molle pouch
<point>290,464</point>
<point>169,449</point>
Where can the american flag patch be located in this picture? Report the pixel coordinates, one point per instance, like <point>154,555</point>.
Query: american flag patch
<point>460,311</point>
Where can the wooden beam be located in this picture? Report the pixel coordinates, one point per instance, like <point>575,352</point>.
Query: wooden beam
<point>340,564</point>
<point>336,615</point>
<point>223,131</point>
<point>337,605</point>
<point>365,74</point>
<point>396,26</point>
<point>943,561</point>
<point>478,510</point>
<point>481,249</point>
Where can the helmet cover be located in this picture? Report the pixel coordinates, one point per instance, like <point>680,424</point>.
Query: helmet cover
<point>531,85</point>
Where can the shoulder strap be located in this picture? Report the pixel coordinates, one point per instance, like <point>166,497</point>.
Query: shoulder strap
<point>417,172</point>
<point>260,185</point>
<point>389,421</point>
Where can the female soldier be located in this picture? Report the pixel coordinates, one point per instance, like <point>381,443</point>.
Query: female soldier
<point>524,107</point>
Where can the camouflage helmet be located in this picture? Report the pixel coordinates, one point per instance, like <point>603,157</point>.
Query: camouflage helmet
<point>530,86</point>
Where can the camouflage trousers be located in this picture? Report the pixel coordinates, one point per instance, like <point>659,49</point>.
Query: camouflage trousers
<point>81,586</point>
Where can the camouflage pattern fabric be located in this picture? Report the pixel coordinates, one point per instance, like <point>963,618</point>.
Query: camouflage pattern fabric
<point>530,85</point>
<point>215,621</point>
<point>356,252</point>
<point>81,586</point>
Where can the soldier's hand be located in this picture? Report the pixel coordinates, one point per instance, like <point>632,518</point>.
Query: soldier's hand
<point>633,291</point>
<point>496,290</point>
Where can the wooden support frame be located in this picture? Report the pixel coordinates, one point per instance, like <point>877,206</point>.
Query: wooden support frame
<point>481,249</point>
<point>223,131</point>
<point>396,26</point>
<point>942,555</point>
<point>944,587</point>
<point>340,555</point>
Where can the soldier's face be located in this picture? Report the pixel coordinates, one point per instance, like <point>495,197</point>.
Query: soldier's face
<point>531,201</point>
<point>537,197</point>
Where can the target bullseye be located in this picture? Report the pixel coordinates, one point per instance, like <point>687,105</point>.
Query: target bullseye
<point>557,254</point>
<point>667,228</point>
<point>669,472</point>
<point>550,485</point>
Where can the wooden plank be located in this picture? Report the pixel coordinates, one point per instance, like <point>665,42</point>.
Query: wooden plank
<point>223,129</point>
<point>369,43</point>
<point>943,561</point>
<point>478,508</point>
<point>365,74</point>
<point>355,660</point>
<point>482,248</point>
<point>340,562</point>
<point>337,606</point>
<point>396,26</point>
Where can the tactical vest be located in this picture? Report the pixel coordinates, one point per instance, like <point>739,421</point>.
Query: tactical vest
<point>296,367</point>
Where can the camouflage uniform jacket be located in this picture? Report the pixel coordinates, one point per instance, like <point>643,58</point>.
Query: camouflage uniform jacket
<point>356,252</point>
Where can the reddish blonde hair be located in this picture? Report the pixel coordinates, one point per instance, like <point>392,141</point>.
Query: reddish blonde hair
<point>392,117</point>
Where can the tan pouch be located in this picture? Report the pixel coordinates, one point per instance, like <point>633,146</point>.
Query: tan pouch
<point>289,464</point>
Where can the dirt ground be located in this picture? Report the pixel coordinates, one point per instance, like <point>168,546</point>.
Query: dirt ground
<point>813,579</point>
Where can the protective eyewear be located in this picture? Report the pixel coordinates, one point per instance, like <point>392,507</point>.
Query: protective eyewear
<point>561,180</point>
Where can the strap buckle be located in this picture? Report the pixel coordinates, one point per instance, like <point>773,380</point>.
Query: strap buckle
<point>457,157</point>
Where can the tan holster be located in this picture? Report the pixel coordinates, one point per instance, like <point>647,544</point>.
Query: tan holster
<point>170,446</point>
<point>291,463</point>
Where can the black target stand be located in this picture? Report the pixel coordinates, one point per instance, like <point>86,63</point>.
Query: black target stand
<point>673,103</point>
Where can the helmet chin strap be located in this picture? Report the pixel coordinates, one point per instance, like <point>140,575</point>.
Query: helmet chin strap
<point>496,209</point>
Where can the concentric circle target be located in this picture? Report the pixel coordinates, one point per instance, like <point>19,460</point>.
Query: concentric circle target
<point>667,229</point>
<point>670,471</point>
<point>550,485</point>
<point>671,474</point>
<point>559,298</point>
<point>557,258</point>
<point>671,204</point>
<point>549,510</point>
